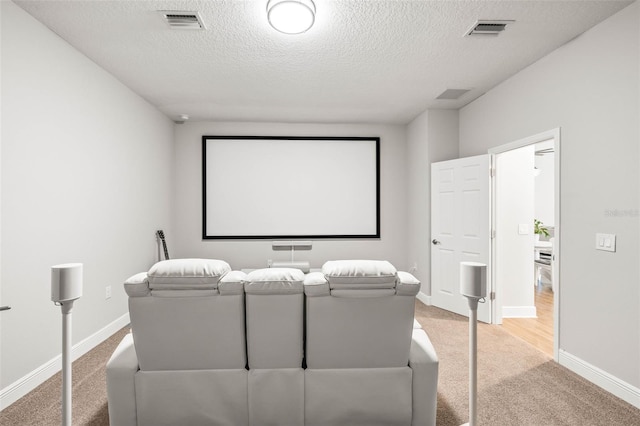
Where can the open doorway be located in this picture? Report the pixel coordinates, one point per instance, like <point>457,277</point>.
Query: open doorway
<point>526,239</point>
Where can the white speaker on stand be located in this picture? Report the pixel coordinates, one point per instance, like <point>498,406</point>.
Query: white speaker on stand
<point>473,286</point>
<point>66,287</point>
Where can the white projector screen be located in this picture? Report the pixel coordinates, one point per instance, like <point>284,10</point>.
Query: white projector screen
<point>290,187</point>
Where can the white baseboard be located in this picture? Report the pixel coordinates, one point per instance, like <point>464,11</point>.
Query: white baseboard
<point>27,383</point>
<point>424,298</point>
<point>519,312</point>
<point>606,381</point>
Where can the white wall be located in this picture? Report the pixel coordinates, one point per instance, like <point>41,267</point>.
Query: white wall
<point>186,238</point>
<point>86,172</point>
<point>588,88</point>
<point>431,137</point>
<point>514,250</point>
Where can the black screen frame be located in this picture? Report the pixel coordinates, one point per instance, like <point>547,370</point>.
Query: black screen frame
<point>207,236</point>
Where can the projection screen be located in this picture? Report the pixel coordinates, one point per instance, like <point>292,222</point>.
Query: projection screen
<point>290,187</point>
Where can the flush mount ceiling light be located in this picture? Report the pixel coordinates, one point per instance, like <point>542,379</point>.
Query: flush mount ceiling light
<point>291,16</point>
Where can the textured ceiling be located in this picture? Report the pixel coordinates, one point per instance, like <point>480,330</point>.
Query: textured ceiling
<point>362,61</point>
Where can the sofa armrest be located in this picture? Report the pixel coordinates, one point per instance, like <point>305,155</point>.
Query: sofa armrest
<point>424,364</point>
<point>121,393</point>
<point>137,285</point>
<point>407,284</point>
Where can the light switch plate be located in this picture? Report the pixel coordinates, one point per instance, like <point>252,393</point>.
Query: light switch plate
<point>606,242</point>
<point>523,229</point>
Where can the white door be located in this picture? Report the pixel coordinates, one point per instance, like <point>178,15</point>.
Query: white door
<point>460,229</point>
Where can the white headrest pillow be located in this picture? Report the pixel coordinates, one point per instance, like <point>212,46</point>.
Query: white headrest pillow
<point>274,281</point>
<point>190,273</point>
<point>357,273</point>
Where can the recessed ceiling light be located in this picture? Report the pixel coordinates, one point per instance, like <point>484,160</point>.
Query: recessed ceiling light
<point>291,16</point>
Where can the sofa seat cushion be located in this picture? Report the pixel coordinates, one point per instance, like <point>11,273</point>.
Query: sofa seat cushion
<point>187,274</point>
<point>275,281</point>
<point>360,274</point>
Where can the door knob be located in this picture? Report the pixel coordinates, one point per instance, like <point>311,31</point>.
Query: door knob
<point>435,242</point>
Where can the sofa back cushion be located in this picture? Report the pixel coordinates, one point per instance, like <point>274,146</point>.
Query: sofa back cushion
<point>359,314</point>
<point>188,314</point>
<point>275,318</point>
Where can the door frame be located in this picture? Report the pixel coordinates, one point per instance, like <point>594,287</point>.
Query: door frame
<point>497,303</point>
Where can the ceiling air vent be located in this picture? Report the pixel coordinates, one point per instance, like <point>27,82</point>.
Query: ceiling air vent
<point>452,94</point>
<point>491,28</point>
<point>182,20</point>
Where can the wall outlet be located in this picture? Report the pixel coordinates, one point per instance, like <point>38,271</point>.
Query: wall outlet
<point>107,292</point>
<point>269,263</point>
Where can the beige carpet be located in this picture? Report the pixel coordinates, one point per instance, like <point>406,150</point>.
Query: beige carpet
<point>42,406</point>
<point>517,384</point>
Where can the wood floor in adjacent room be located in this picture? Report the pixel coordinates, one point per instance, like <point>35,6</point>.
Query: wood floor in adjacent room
<point>536,331</point>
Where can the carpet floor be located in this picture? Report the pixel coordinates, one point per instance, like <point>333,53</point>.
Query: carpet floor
<point>517,384</point>
<point>42,406</point>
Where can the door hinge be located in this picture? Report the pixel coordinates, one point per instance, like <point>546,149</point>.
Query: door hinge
<point>492,295</point>
<point>493,234</point>
<point>492,171</point>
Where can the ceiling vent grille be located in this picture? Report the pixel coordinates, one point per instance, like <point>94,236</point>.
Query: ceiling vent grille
<point>452,94</point>
<point>490,28</point>
<point>182,20</point>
